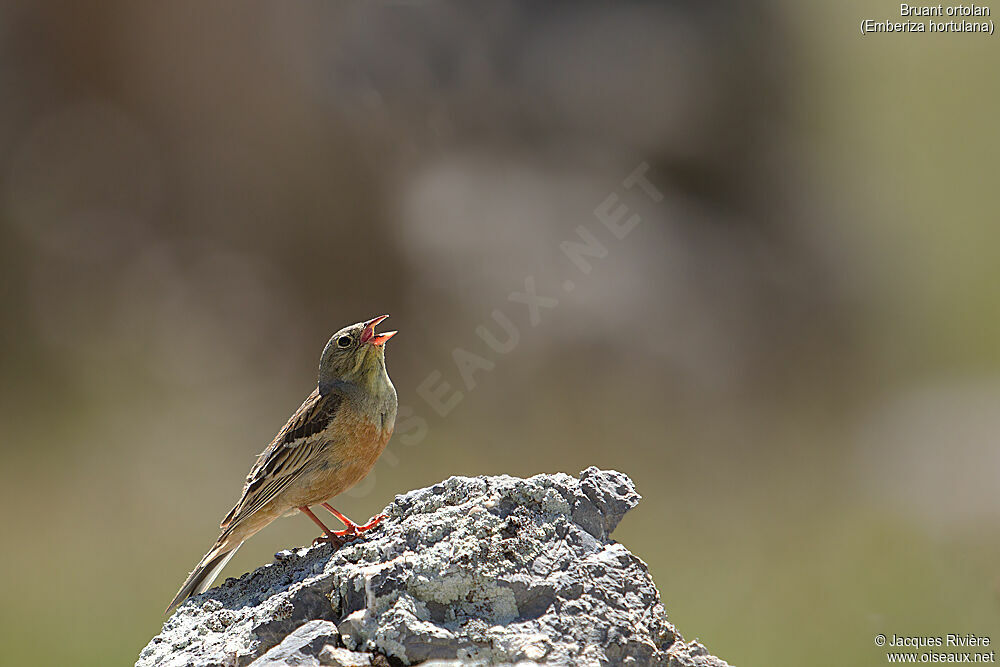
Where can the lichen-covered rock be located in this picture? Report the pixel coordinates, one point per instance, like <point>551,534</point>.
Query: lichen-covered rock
<point>303,647</point>
<point>486,570</point>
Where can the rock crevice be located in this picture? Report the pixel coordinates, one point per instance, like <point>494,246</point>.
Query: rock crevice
<point>485,570</point>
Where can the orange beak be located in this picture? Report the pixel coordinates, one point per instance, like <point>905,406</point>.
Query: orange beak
<point>368,335</point>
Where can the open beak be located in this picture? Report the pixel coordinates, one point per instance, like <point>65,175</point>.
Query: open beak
<point>368,335</point>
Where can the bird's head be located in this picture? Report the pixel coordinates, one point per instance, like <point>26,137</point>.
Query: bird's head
<point>355,354</point>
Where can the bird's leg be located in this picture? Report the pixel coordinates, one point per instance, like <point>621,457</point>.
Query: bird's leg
<point>328,535</point>
<point>343,519</point>
<point>351,527</point>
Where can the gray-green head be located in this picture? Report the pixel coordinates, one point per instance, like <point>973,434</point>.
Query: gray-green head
<point>354,354</point>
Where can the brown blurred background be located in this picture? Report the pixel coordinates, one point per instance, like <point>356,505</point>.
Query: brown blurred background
<point>795,353</point>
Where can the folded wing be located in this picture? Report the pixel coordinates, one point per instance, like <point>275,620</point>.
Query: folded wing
<point>287,456</point>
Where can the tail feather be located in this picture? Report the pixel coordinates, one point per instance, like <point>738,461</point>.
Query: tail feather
<point>204,574</point>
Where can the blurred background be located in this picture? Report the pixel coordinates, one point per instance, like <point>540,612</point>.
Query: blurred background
<point>794,348</point>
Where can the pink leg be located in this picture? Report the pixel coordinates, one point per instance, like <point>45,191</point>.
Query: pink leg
<point>351,527</point>
<point>343,519</point>
<point>328,535</point>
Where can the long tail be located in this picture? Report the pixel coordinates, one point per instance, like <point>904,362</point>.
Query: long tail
<point>204,574</point>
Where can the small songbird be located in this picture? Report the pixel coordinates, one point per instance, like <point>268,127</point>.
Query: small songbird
<point>328,446</point>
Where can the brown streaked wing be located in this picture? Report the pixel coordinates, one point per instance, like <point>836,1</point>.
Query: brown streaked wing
<point>286,456</point>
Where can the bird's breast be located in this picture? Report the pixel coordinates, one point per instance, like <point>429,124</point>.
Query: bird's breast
<point>354,443</point>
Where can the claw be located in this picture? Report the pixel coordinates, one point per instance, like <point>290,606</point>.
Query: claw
<point>353,529</point>
<point>372,523</point>
<point>336,540</point>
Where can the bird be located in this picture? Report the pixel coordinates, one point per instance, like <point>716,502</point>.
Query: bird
<point>329,445</point>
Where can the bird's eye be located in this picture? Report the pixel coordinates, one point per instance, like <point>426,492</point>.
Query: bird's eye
<point>344,341</point>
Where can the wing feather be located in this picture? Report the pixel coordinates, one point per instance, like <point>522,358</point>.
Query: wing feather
<point>287,456</point>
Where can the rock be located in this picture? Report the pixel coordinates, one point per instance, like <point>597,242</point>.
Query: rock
<point>485,570</point>
<point>303,646</point>
<point>341,657</point>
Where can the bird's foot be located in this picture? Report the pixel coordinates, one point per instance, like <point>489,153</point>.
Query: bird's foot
<point>335,539</point>
<point>354,530</point>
